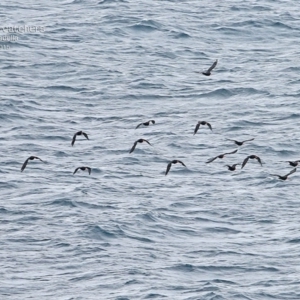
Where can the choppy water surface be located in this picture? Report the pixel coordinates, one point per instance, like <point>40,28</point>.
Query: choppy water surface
<point>127,231</point>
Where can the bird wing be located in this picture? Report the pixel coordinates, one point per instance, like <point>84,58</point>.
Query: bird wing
<point>133,147</point>
<point>86,136</point>
<point>76,170</point>
<point>212,66</point>
<point>248,140</point>
<point>181,163</point>
<point>147,142</point>
<point>38,158</point>
<point>259,160</point>
<point>209,126</point>
<point>153,122</point>
<point>196,128</point>
<point>231,140</point>
<point>244,162</point>
<point>231,152</point>
<point>74,139</point>
<point>24,165</point>
<point>293,171</point>
<point>138,126</point>
<point>168,168</point>
<point>211,160</point>
<point>89,169</point>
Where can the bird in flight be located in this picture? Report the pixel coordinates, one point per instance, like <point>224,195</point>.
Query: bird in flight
<point>79,133</point>
<point>239,143</point>
<point>208,72</point>
<point>26,162</point>
<point>83,169</point>
<point>201,123</point>
<point>138,141</point>
<point>251,157</point>
<point>175,161</point>
<point>220,156</point>
<point>285,176</point>
<point>145,124</point>
<point>294,163</point>
<point>232,168</point>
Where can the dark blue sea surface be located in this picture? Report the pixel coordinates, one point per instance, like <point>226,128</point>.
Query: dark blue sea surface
<point>127,231</point>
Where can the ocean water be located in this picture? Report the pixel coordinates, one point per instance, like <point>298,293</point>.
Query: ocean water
<point>127,231</point>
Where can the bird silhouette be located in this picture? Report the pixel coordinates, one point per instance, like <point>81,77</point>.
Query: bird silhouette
<point>239,143</point>
<point>233,167</point>
<point>294,163</point>
<point>79,133</point>
<point>285,176</point>
<point>208,72</point>
<point>26,162</point>
<point>201,123</point>
<point>220,156</point>
<point>251,157</point>
<point>138,141</point>
<point>175,161</point>
<point>83,169</point>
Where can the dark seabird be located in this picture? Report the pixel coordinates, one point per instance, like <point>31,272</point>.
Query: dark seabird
<point>26,161</point>
<point>83,169</point>
<point>232,168</point>
<point>285,176</point>
<point>79,133</point>
<point>294,163</point>
<point>201,123</point>
<point>173,162</point>
<point>145,124</point>
<point>239,143</point>
<point>251,157</point>
<point>138,141</point>
<point>208,72</point>
<point>220,156</point>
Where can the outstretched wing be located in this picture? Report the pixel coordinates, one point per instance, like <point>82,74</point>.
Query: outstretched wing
<point>196,128</point>
<point>244,162</point>
<point>85,135</point>
<point>235,151</point>
<point>209,126</point>
<point>74,139</point>
<point>133,147</point>
<point>168,168</point>
<point>247,140</point>
<point>89,169</point>
<point>231,140</point>
<point>76,170</point>
<point>38,158</point>
<point>24,165</point>
<point>211,160</point>
<point>259,160</point>
<point>181,163</point>
<point>293,171</point>
<point>147,142</point>
<point>138,126</point>
<point>212,66</point>
<point>153,122</point>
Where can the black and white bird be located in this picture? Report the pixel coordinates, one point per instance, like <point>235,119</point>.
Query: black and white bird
<point>175,161</point>
<point>26,162</point>
<point>285,176</point>
<point>208,72</point>
<point>138,141</point>
<point>83,169</point>
<point>79,133</point>
<point>145,124</point>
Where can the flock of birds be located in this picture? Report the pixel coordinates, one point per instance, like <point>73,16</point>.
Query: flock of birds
<point>176,161</point>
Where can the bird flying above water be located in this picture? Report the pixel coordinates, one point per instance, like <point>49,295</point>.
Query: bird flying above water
<point>240,143</point>
<point>221,156</point>
<point>138,141</point>
<point>26,162</point>
<point>175,161</point>
<point>83,169</point>
<point>251,157</point>
<point>208,72</point>
<point>79,133</point>
<point>201,123</point>
<point>285,176</point>
<point>145,124</point>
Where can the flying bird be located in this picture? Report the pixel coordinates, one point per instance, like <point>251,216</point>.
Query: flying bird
<point>138,141</point>
<point>83,169</point>
<point>220,156</point>
<point>239,143</point>
<point>26,162</point>
<point>173,162</point>
<point>232,168</point>
<point>208,72</point>
<point>145,124</point>
<point>251,157</point>
<point>285,176</point>
<point>294,163</point>
<point>201,123</point>
<point>79,133</point>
